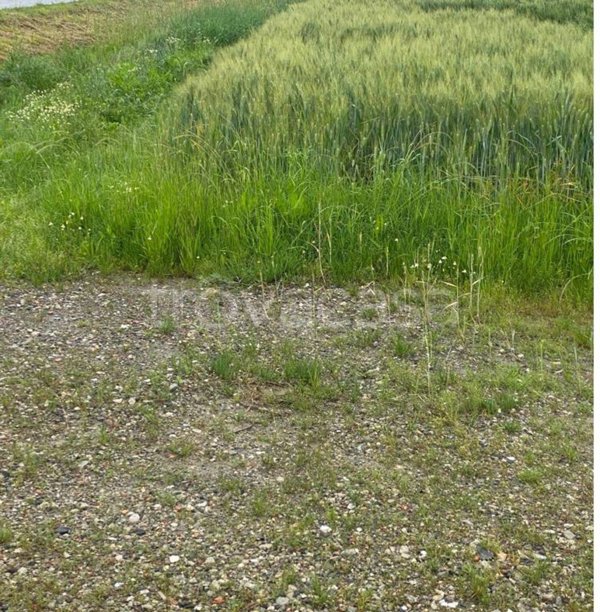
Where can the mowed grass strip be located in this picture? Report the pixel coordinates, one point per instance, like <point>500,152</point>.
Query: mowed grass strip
<point>49,28</point>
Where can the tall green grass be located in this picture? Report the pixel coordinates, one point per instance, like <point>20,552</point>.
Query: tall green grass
<point>580,12</point>
<point>55,107</point>
<point>344,141</point>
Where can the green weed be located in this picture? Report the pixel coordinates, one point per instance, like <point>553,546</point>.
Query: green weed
<point>225,365</point>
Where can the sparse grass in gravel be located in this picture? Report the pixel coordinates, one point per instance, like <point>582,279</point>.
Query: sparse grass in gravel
<point>332,467</point>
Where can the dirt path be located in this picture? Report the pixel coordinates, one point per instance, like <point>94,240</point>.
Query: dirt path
<point>178,446</point>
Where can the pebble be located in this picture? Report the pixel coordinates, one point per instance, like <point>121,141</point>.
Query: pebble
<point>209,561</point>
<point>569,534</point>
<point>282,602</point>
<point>325,529</point>
<point>63,530</point>
<point>547,597</point>
<point>173,558</point>
<point>484,554</point>
<point>134,517</point>
<point>405,552</point>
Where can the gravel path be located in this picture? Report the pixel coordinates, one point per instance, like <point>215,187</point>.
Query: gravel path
<point>176,446</point>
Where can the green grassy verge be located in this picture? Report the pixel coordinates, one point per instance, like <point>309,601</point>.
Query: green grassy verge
<point>338,142</point>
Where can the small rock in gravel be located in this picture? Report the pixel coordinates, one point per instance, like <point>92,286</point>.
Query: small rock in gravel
<point>484,554</point>
<point>325,529</point>
<point>173,558</point>
<point>547,597</point>
<point>134,517</point>
<point>139,531</point>
<point>63,530</point>
<point>209,561</point>
<point>569,534</point>
<point>282,602</point>
<point>405,552</point>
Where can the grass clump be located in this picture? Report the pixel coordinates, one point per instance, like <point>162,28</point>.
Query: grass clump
<point>181,448</point>
<point>531,476</point>
<point>401,347</point>
<point>303,370</point>
<point>225,365</point>
<point>477,583</point>
<point>6,534</point>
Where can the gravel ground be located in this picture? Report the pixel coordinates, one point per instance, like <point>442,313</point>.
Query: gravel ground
<point>177,446</point>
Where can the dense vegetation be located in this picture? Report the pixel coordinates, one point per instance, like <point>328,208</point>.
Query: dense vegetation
<point>340,140</point>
